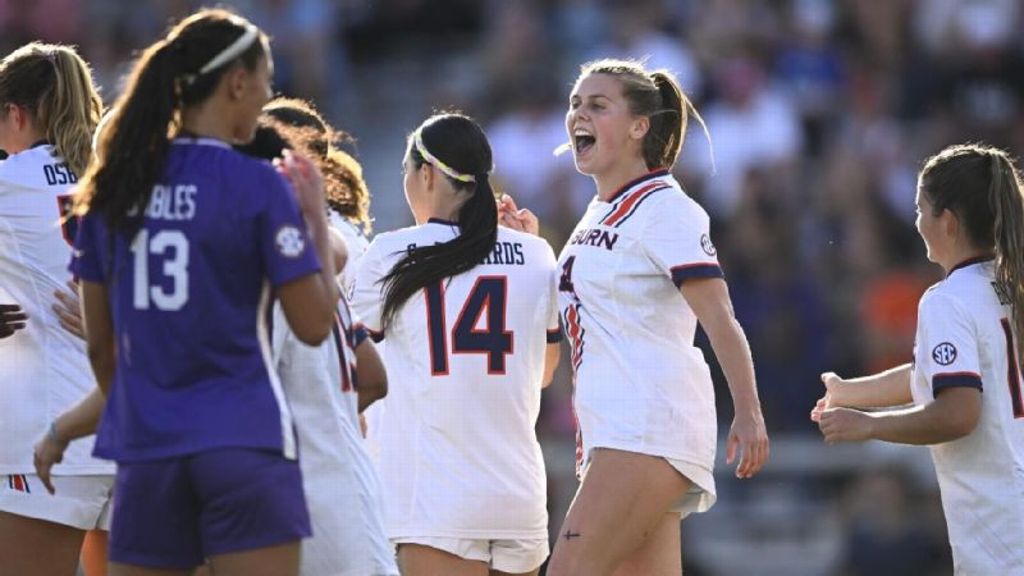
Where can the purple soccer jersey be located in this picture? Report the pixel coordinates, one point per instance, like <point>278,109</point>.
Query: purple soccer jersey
<point>189,295</point>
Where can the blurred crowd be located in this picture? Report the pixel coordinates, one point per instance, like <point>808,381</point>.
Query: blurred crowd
<point>819,112</point>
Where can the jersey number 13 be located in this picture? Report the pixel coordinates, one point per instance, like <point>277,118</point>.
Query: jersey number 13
<point>172,247</point>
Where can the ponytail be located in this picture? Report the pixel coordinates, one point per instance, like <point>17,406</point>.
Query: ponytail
<point>664,138</point>
<point>133,146</point>
<point>55,85</point>
<point>1008,207</point>
<point>171,74</point>
<point>457,146</point>
<point>345,189</point>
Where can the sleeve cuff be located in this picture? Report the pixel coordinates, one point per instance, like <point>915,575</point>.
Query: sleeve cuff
<point>686,272</point>
<point>941,382</point>
<point>359,335</point>
<point>373,334</point>
<point>554,336</point>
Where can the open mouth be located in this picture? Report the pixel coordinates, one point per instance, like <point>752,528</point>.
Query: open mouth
<point>582,141</point>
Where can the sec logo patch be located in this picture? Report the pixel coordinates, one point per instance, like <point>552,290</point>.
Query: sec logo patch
<point>290,242</point>
<point>944,354</point>
<point>707,246</point>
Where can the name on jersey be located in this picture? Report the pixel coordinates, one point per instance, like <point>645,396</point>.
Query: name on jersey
<point>595,237</point>
<point>1002,293</point>
<point>59,174</point>
<point>504,253</point>
<point>173,203</point>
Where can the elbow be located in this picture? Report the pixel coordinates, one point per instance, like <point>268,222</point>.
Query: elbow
<point>961,425</point>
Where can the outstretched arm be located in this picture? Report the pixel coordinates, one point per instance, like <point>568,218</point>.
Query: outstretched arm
<point>954,414</point>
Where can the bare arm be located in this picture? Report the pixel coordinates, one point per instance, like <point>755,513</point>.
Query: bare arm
<point>889,388</point>
<point>709,299</point>
<point>308,302</point>
<point>373,378</point>
<point>954,414</point>
<point>99,332</point>
<point>69,310</point>
<point>552,355</point>
<point>81,420</point>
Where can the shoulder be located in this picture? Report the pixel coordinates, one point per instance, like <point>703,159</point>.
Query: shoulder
<point>524,238</point>
<point>944,298</point>
<point>388,243</point>
<point>26,168</point>
<point>672,205</point>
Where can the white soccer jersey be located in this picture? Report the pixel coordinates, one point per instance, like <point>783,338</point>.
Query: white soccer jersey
<point>459,456</point>
<point>355,241</point>
<point>640,383</point>
<point>43,369</point>
<point>965,338</point>
<point>341,485</point>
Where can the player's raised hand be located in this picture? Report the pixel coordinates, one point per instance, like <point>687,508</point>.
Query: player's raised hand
<point>521,219</point>
<point>306,180</point>
<point>748,439</point>
<point>69,310</point>
<point>845,425</point>
<point>12,319</point>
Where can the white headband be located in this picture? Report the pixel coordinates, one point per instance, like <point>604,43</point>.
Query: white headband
<point>234,50</point>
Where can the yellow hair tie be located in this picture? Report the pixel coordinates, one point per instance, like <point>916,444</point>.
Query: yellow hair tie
<point>431,159</point>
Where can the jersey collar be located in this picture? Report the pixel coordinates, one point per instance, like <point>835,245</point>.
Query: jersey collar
<point>633,183</point>
<point>969,262</point>
<point>441,221</point>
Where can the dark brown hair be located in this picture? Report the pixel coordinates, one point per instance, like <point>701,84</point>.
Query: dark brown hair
<point>982,187</point>
<point>133,145</point>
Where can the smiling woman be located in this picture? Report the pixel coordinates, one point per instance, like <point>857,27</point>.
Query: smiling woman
<point>645,458</point>
<point>637,275</point>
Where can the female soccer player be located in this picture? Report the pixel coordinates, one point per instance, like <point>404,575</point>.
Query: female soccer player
<point>48,111</point>
<point>469,314</point>
<point>965,381</point>
<point>637,275</point>
<point>179,244</point>
<point>327,386</point>
<point>347,194</point>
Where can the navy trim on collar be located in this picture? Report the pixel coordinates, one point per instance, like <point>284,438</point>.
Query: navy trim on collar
<point>43,142</point>
<point>441,221</point>
<point>970,261</point>
<point>625,187</point>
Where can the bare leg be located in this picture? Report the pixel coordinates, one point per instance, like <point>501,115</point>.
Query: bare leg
<point>620,505</point>
<point>660,553</point>
<point>279,560</point>
<point>94,553</point>
<point>38,547</point>
<point>116,569</point>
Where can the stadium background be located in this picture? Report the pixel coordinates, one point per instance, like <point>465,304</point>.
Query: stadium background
<point>820,112</point>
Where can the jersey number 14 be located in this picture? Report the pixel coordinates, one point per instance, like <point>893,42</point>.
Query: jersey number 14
<point>488,294</point>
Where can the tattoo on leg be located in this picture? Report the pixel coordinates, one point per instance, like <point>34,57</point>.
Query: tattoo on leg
<point>569,534</point>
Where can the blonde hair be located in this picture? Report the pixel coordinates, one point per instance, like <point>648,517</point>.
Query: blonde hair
<point>55,85</point>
